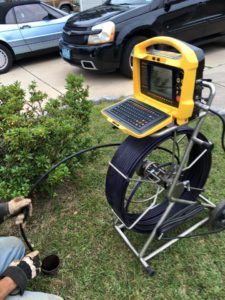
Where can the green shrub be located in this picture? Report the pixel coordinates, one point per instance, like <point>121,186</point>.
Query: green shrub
<point>37,132</point>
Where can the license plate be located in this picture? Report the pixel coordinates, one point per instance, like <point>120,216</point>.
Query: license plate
<point>66,53</point>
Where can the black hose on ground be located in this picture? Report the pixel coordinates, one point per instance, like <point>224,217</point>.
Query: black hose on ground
<point>223,123</point>
<point>45,176</point>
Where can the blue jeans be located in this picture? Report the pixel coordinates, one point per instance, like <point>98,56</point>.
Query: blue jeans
<point>11,248</point>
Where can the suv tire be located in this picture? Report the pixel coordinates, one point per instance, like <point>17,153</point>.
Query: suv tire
<point>6,59</point>
<point>126,63</point>
<point>66,8</point>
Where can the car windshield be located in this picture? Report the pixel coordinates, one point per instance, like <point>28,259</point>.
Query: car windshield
<point>128,2</point>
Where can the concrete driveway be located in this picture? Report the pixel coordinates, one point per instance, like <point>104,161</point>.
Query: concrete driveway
<point>50,71</point>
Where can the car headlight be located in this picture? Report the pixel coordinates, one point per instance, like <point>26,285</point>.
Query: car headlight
<point>106,35</point>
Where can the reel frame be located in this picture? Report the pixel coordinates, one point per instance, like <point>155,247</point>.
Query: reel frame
<point>121,228</point>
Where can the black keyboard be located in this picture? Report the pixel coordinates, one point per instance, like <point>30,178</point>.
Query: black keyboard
<point>136,115</point>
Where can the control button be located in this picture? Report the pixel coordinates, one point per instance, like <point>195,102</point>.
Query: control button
<point>178,98</point>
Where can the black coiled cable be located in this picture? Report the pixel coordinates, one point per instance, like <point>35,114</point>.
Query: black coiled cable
<point>127,158</point>
<point>115,191</point>
<point>45,176</point>
<point>223,123</point>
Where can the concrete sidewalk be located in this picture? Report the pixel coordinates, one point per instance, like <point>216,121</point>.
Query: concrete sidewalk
<point>50,72</point>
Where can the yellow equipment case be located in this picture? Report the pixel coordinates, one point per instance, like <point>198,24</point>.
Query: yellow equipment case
<point>164,87</point>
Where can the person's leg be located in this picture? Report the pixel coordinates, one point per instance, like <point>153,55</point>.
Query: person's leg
<point>11,248</point>
<point>34,296</point>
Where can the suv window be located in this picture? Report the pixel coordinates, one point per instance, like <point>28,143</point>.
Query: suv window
<point>30,13</point>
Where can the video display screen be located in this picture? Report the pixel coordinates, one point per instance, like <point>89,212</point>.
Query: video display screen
<point>161,82</point>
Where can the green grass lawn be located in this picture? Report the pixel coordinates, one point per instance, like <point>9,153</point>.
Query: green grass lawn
<point>96,264</point>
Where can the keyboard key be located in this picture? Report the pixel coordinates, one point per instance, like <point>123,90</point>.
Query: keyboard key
<point>136,115</point>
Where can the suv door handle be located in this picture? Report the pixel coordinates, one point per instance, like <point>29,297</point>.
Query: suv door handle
<point>25,27</point>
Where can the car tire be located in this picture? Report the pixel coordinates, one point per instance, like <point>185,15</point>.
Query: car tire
<point>6,59</point>
<point>125,64</point>
<point>66,8</point>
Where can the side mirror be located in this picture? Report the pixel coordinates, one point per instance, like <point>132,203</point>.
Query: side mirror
<point>49,17</point>
<point>168,3</point>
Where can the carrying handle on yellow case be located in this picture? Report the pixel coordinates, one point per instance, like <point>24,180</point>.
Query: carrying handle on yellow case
<point>180,46</point>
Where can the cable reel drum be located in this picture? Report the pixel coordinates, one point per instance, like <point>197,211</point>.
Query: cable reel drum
<point>156,177</point>
<point>144,175</point>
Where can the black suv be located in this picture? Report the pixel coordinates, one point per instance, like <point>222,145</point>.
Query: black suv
<point>102,38</point>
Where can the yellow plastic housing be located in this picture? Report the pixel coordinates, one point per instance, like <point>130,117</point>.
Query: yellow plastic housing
<point>184,59</point>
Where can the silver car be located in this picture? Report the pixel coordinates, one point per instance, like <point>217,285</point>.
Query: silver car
<point>28,28</point>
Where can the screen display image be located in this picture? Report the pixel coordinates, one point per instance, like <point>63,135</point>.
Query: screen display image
<point>161,82</point>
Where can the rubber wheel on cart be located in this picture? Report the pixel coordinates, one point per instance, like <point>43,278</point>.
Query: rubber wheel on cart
<point>217,218</point>
<point>6,59</point>
<point>126,64</point>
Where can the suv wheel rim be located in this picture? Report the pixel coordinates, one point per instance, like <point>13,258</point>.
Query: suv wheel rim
<point>3,59</point>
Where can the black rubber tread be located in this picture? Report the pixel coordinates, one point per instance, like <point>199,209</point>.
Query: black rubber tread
<point>125,65</point>
<point>216,214</point>
<point>127,158</point>
<point>66,8</point>
<point>10,59</point>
